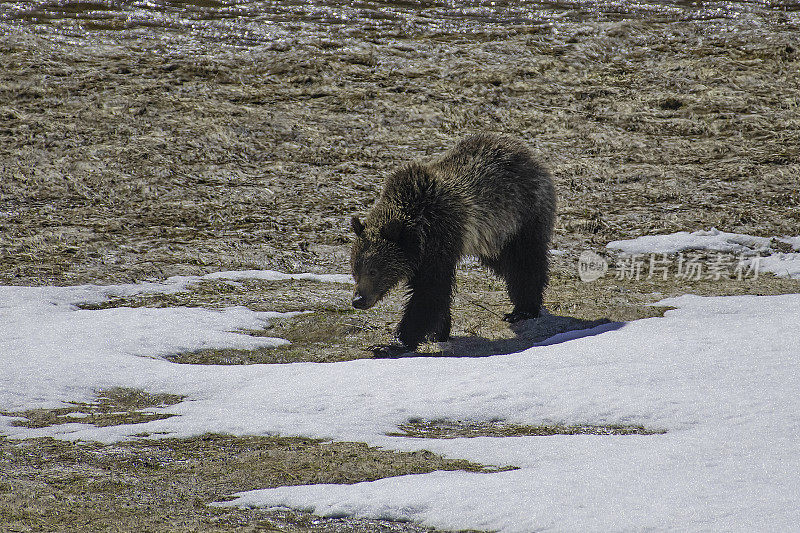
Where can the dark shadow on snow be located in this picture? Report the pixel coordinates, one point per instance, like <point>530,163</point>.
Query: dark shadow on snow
<point>543,331</point>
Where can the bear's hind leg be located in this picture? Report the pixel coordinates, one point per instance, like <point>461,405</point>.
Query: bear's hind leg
<point>523,264</point>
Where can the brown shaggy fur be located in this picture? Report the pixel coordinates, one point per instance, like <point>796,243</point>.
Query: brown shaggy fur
<point>487,198</point>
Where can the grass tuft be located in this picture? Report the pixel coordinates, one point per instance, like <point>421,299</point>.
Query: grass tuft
<point>114,406</point>
<point>453,429</point>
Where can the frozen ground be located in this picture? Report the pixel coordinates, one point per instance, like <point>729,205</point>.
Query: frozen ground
<point>770,259</point>
<point>720,375</point>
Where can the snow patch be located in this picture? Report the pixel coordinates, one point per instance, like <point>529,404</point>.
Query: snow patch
<point>719,374</point>
<point>712,240</point>
<point>51,351</point>
<point>785,264</point>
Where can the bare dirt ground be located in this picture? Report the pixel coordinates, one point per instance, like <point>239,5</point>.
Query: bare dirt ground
<point>124,162</point>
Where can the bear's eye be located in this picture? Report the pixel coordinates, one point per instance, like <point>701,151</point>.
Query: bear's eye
<point>373,272</point>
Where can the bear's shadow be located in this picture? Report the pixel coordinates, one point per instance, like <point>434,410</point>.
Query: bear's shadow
<point>543,331</point>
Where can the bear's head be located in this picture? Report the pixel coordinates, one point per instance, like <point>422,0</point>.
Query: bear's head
<point>380,259</point>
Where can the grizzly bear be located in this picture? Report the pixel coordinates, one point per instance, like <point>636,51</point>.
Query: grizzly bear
<point>488,198</point>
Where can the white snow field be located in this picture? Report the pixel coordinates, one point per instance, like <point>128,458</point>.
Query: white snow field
<point>720,375</point>
<point>785,264</point>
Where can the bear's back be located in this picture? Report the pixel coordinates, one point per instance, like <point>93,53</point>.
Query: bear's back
<point>502,188</point>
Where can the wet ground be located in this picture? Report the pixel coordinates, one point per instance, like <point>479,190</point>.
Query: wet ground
<point>144,139</point>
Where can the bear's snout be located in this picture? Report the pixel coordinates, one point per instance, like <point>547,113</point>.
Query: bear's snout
<point>360,302</point>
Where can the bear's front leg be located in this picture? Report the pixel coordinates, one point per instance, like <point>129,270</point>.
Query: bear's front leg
<point>427,312</point>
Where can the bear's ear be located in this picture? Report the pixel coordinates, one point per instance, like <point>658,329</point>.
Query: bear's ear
<point>393,231</point>
<point>357,226</point>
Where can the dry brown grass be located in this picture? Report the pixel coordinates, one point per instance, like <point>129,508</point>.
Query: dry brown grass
<point>113,407</point>
<point>117,165</point>
<point>165,485</point>
<point>454,429</point>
